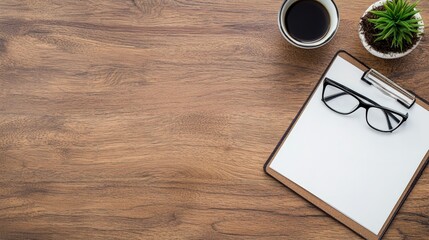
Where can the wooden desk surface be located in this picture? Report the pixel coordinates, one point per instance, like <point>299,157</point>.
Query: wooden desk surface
<point>153,118</point>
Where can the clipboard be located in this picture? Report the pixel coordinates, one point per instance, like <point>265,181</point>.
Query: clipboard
<point>353,214</point>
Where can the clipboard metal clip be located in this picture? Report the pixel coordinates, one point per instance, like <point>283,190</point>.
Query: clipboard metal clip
<point>388,87</point>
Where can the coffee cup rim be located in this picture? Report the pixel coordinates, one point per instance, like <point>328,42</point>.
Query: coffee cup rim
<point>324,40</point>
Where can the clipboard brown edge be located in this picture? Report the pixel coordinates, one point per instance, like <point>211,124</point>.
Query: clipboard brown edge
<point>340,217</point>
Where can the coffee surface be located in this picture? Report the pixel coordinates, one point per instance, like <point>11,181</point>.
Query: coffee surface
<point>307,20</point>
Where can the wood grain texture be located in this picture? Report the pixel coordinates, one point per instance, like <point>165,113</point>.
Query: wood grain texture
<point>152,119</point>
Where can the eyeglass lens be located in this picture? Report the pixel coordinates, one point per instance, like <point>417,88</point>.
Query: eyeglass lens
<point>383,120</point>
<point>339,101</point>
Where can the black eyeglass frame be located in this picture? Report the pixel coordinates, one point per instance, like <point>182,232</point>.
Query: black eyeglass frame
<point>366,106</point>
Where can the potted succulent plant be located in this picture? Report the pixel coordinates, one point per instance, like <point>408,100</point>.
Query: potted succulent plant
<point>391,28</point>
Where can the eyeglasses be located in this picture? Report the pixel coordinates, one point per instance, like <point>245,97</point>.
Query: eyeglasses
<point>345,101</point>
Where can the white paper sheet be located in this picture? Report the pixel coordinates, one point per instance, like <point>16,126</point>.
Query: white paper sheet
<point>341,160</point>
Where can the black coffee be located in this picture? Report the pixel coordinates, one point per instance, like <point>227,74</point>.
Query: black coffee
<point>307,20</point>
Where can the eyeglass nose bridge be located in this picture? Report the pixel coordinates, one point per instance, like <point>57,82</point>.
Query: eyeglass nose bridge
<point>364,105</point>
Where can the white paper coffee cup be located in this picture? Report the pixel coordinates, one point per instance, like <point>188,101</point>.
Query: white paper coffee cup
<point>334,18</point>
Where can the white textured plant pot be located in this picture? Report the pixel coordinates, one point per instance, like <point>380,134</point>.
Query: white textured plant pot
<point>387,55</point>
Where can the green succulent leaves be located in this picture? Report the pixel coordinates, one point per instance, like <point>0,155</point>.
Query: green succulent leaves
<point>396,22</point>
